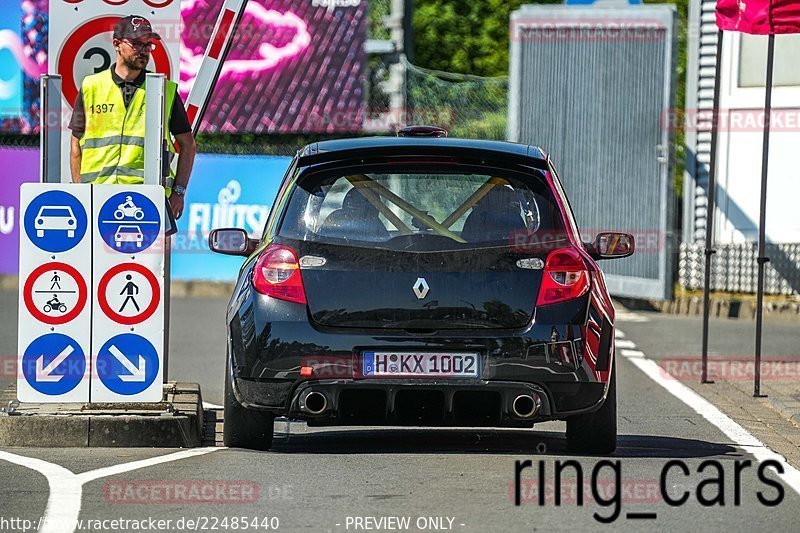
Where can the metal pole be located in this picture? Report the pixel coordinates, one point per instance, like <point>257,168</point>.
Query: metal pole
<point>710,209</point>
<point>762,218</point>
<point>154,105</point>
<point>155,174</point>
<point>397,71</point>
<point>50,131</point>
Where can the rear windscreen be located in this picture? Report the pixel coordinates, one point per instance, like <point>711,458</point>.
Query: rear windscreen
<point>421,210</point>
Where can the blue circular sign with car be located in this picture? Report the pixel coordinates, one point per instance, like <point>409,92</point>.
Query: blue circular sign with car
<point>55,221</point>
<point>129,222</point>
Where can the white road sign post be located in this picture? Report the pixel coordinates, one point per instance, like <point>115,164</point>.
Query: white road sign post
<point>128,310</point>
<point>54,334</point>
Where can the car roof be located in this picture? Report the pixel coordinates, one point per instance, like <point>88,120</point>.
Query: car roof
<point>374,146</point>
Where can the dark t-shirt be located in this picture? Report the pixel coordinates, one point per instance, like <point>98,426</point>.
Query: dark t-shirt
<point>178,121</point>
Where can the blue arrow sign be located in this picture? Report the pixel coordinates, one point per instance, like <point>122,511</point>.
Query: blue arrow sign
<point>54,364</point>
<point>129,222</point>
<point>127,364</point>
<point>55,221</point>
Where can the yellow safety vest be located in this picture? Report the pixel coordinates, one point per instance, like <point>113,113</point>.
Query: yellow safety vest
<point>112,146</point>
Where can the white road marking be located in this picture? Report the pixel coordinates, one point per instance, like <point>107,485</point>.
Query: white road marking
<point>86,477</point>
<point>64,501</point>
<point>736,433</point>
<point>628,316</point>
<point>624,343</point>
<point>207,405</point>
<point>619,334</point>
<point>66,488</point>
<point>632,353</point>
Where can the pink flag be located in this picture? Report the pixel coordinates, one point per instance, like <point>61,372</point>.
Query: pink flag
<point>759,17</point>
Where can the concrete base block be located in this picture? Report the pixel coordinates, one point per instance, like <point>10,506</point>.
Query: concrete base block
<point>175,422</point>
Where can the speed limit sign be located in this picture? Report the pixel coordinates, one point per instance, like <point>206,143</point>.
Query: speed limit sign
<point>88,50</point>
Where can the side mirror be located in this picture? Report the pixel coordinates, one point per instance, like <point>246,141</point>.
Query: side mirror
<point>231,241</point>
<point>612,245</point>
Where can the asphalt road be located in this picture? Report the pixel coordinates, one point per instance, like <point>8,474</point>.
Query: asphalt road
<point>336,479</point>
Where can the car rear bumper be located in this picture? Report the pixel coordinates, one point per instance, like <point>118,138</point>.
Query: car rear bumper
<point>275,364</point>
<point>425,401</point>
<point>418,402</point>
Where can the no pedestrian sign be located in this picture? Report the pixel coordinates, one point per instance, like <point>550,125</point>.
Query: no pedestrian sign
<point>129,294</point>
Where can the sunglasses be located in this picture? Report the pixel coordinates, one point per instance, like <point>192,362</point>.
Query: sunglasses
<point>141,47</point>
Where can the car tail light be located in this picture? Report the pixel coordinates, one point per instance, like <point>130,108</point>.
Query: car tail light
<point>277,274</point>
<point>565,277</point>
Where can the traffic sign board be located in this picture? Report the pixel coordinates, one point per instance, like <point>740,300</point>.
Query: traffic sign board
<point>129,293</point>
<point>55,293</point>
<point>128,364</point>
<point>54,364</point>
<point>55,266</point>
<point>55,221</point>
<point>128,310</point>
<point>90,44</point>
<point>129,222</point>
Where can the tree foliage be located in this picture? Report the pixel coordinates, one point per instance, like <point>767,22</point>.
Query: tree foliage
<point>466,36</point>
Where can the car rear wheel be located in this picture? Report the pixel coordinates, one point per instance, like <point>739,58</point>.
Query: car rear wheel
<point>242,427</point>
<point>595,433</point>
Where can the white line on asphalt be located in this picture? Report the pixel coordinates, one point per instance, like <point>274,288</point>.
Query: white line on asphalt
<point>207,405</point>
<point>628,316</point>
<point>86,477</point>
<point>632,353</point>
<point>740,436</point>
<point>619,334</point>
<point>64,500</point>
<point>624,343</point>
<point>66,488</point>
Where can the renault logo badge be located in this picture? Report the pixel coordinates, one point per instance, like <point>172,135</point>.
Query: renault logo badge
<point>421,288</point>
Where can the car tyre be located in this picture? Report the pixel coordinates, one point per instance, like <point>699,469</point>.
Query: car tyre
<point>595,433</point>
<point>242,427</point>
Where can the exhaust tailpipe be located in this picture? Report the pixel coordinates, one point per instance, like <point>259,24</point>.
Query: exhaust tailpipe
<point>315,403</point>
<point>525,405</point>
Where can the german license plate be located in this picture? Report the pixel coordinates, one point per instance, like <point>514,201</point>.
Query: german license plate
<point>415,364</point>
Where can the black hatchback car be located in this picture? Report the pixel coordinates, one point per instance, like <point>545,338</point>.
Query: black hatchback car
<point>421,281</point>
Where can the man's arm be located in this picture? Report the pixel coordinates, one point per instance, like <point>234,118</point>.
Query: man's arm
<point>181,130</point>
<point>186,150</point>
<point>75,159</point>
<point>78,126</point>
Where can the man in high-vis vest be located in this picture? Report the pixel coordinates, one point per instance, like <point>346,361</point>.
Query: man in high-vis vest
<point>108,120</point>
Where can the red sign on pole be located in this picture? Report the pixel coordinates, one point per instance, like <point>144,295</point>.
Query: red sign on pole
<point>759,17</point>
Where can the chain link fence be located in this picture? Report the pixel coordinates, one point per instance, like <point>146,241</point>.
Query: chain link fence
<point>734,268</point>
<point>475,107</point>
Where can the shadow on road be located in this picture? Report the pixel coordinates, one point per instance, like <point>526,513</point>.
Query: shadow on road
<point>461,441</point>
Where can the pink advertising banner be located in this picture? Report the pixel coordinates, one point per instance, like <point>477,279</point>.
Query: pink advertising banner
<point>759,17</point>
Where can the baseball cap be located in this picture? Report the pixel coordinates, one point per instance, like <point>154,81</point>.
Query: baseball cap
<point>133,27</point>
